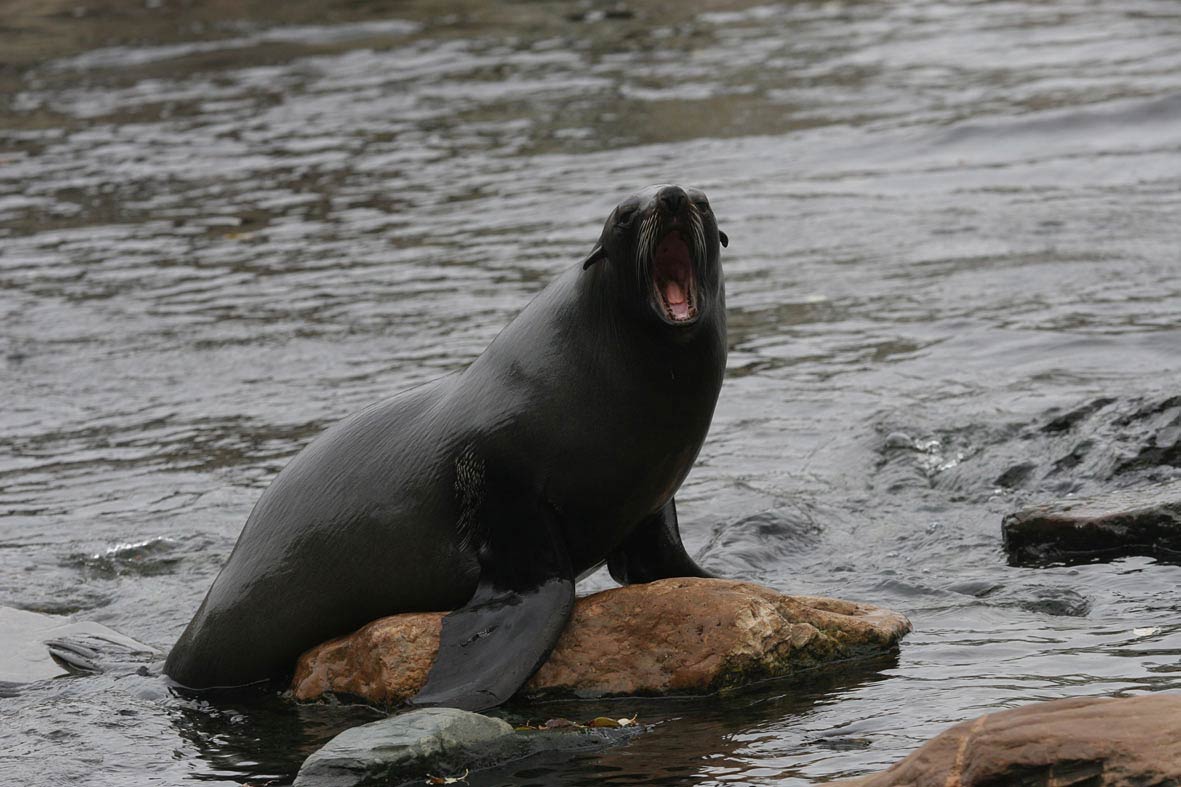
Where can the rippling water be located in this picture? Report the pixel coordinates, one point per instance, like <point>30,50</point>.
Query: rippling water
<point>951,225</point>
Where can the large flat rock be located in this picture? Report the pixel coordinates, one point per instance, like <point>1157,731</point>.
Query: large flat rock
<point>1088,741</point>
<point>674,636</point>
<point>1144,521</point>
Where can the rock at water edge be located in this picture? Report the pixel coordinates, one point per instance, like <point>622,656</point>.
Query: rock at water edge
<point>673,636</point>
<point>425,740</point>
<point>1096,742</point>
<point>1144,521</point>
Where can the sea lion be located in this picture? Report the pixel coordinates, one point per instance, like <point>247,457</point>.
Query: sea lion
<point>491,490</point>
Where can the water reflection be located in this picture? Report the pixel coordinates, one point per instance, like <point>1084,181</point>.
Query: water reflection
<point>261,736</point>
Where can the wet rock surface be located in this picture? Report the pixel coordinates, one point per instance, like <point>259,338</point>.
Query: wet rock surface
<point>674,636</point>
<point>1141,521</point>
<point>1097,742</point>
<point>442,743</point>
<point>402,746</point>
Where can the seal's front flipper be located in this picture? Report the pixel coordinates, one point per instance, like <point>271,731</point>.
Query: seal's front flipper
<point>492,645</point>
<point>654,551</point>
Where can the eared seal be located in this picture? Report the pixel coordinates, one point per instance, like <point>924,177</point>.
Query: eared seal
<point>489,491</point>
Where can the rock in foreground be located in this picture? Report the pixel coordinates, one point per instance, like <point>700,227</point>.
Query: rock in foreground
<point>403,746</point>
<point>1097,742</point>
<point>442,743</point>
<point>674,636</point>
<point>1130,522</point>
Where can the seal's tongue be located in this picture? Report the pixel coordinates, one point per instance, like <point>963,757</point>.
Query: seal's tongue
<point>673,277</point>
<point>676,299</point>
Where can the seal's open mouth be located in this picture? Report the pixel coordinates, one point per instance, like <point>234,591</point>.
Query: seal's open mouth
<point>672,274</point>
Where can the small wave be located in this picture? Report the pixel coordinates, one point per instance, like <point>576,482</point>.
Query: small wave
<point>1143,117</point>
<point>308,35</point>
<point>144,558</point>
<point>1094,446</point>
<point>759,545</point>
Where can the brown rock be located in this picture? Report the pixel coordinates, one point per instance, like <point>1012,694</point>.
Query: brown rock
<point>383,663</point>
<point>1144,521</point>
<point>674,636</point>
<point>1088,741</point>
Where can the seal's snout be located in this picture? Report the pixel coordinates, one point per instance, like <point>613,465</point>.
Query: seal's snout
<point>673,200</point>
<point>672,240</point>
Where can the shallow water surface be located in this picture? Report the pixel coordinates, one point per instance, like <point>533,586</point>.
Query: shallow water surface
<point>953,289</point>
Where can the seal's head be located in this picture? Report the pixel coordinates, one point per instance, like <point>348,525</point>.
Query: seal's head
<point>662,243</point>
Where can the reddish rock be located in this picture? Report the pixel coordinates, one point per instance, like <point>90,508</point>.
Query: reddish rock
<point>385,661</point>
<point>674,636</point>
<point>1089,741</point>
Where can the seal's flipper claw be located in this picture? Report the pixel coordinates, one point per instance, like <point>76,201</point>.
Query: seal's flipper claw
<point>654,551</point>
<point>493,644</point>
<point>88,647</point>
<point>73,656</point>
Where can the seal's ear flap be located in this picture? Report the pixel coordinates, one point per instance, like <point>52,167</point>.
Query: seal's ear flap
<point>595,255</point>
<point>723,239</point>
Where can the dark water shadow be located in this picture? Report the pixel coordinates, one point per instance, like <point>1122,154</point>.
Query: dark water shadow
<point>688,737</point>
<point>260,734</point>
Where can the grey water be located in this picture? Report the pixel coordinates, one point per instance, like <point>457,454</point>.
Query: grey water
<point>954,288</point>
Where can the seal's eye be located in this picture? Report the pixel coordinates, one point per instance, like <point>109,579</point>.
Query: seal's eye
<point>625,214</point>
<point>701,205</point>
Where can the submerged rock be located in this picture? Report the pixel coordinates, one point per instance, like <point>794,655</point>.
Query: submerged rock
<point>1097,742</point>
<point>674,636</point>
<point>443,743</point>
<point>1143,521</point>
<point>437,739</point>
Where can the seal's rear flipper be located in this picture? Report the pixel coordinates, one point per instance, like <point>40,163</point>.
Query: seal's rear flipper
<point>34,647</point>
<point>654,551</point>
<point>492,645</point>
<point>92,647</point>
<point>73,656</point>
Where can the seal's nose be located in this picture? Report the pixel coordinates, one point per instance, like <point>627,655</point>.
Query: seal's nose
<point>672,199</point>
